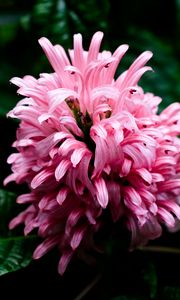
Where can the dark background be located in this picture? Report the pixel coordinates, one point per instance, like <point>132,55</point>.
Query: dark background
<point>144,25</point>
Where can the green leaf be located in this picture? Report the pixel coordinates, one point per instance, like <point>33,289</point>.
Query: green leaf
<point>8,27</point>
<point>8,102</point>
<point>171,293</point>
<point>60,29</point>
<point>7,210</point>
<point>50,18</point>
<point>92,12</point>
<point>150,278</point>
<point>60,19</point>
<point>164,81</point>
<point>177,22</point>
<point>15,253</point>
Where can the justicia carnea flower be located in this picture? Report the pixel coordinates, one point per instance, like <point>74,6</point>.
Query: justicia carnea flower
<point>88,143</point>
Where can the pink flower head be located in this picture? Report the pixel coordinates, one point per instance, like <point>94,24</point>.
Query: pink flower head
<point>87,143</point>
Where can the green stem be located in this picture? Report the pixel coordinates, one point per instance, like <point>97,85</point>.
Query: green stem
<point>160,249</point>
<point>89,287</point>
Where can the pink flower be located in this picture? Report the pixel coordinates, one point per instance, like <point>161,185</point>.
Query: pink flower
<point>87,143</point>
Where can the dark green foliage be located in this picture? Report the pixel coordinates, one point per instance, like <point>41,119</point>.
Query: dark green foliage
<point>7,208</point>
<point>171,293</point>
<point>149,276</point>
<point>15,253</point>
<point>164,81</point>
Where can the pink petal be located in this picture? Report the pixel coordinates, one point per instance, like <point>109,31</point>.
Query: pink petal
<point>40,178</point>
<point>25,198</point>
<point>133,195</point>
<point>140,61</point>
<point>69,145</point>
<point>73,219</point>
<point>64,261</point>
<point>22,217</point>
<point>156,177</point>
<point>101,192</point>
<point>172,206</point>
<point>56,97</point>
<point>56,59</point>
<point>95,46</point>
<point>12,158</point>
<point>145,175</point>
<point>126,167</point>
<point>166,217</point>
<point>45,247</point>
<point>62,168</point>
<point>77,155</point>
<point>62,194</point>
<point>77,237</point>
<point>78,60</point>
<point>10,178</point>
<point>171,184</point>
<point>115,203</point>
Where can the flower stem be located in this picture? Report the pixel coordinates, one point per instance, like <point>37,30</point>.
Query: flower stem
<point>160,249</point>
<point>87,289</point>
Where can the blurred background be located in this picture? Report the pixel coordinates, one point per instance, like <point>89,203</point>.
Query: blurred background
<point>144,25</point>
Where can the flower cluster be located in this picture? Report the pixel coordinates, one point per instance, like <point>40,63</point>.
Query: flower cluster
<point>87,143</point>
